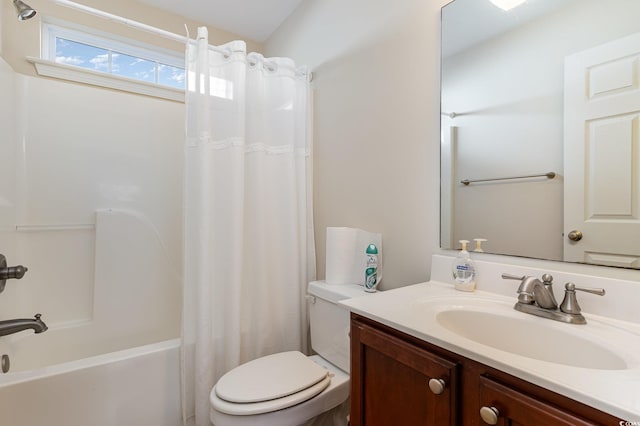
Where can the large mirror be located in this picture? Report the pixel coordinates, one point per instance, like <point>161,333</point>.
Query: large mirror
<point>540,128</point>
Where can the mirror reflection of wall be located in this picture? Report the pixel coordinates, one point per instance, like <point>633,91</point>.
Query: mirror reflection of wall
<point>503,116</point>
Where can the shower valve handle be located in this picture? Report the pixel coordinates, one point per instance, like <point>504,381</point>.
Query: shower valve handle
<point>9,272</point>
<point>16,272</point>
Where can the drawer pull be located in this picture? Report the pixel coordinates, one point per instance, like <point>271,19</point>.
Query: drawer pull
<point>490,415</point>
<point>437,386</point>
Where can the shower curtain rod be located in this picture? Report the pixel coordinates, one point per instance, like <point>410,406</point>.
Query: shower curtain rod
<point>131,23</point>
<point>119,19</point>
<point>140,26</point>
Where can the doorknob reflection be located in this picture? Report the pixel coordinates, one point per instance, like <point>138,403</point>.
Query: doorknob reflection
<point>575,235</point>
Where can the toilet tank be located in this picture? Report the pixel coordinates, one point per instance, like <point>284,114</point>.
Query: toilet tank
<point>329,321</point>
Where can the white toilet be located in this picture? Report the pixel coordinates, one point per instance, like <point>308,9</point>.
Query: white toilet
<point>289,388</point>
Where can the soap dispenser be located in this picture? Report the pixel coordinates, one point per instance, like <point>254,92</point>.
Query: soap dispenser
<point>464,270</point>
<point>479,242</point>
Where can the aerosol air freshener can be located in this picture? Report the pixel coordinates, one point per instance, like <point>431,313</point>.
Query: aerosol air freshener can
<point>371,271</point>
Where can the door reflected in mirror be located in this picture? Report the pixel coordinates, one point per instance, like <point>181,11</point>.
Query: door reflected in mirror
<point>549,86</point>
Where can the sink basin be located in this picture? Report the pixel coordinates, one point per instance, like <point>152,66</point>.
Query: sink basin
<point>494,324</point>
<point>532,339</point>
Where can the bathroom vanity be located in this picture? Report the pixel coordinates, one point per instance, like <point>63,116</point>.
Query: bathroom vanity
<point>427,354</point>
<point>398,379</point>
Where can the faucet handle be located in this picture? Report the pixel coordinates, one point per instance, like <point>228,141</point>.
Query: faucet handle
<point>598,291</point>
<point>570,303</point>
<point>513,277</point>
<point>526,298</point>
<point>9,272</point>
<point>546,278</point>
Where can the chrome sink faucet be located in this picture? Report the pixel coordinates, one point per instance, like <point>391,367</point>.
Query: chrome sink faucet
<point>532,290</point>
<point>16,325</point>
<point>536,297</point>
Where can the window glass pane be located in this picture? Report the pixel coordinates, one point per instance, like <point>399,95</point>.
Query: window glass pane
<point>81,55</point>
<point>132,67</point>
<point>86,55</point>
<point>171,76</point>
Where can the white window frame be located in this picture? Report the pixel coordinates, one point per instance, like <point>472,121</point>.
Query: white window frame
<point>47,65</point>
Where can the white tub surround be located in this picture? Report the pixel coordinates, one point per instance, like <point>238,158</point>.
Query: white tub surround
<point>611,323</point>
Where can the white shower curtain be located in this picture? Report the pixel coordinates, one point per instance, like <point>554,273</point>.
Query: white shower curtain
<point>248,246</point>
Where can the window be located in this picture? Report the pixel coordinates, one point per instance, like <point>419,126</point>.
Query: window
<point>103,53</point>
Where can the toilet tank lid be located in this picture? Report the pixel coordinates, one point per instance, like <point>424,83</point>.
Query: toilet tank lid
<point>335,292</point>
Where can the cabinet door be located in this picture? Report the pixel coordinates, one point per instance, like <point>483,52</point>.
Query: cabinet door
<point>515,408</point>
<point>390,382</point>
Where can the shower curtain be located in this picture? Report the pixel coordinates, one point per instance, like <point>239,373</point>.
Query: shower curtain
<point>248,245</point>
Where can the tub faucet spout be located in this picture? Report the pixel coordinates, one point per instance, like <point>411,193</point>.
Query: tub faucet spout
<point>16,325</point>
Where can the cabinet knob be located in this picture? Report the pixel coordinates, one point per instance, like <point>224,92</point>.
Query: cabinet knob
<point>437,386</point>
<point>490,415</point>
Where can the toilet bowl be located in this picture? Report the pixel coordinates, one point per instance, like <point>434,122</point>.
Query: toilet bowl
<point>290,388</point>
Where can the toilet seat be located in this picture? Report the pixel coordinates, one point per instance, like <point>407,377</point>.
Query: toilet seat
<point>268,384</point>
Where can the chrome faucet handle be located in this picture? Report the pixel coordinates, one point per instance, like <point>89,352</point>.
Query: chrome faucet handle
<point>513,277</point>
<point>598,291</point>
<point>570,303</point>
<point>526,298</point>
<point>546,278</point>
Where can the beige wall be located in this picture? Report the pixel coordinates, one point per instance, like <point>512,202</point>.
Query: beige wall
<point>376,137</point>
<point>22,39</point>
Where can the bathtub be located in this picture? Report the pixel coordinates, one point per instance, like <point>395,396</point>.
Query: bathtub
<point>133,387</point>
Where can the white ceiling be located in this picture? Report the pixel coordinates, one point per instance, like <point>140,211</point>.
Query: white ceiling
<point>469,22</point>
<point>251,19</point>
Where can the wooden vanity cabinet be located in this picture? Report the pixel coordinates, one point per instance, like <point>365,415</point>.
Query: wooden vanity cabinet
<point>517,408</point>
<point>397,379</point>
<point>394,379</point>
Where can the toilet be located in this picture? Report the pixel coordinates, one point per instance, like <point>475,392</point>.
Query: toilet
<point>290,388</point>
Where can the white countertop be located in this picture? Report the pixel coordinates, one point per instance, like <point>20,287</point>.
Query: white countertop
<point>616,392</point>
